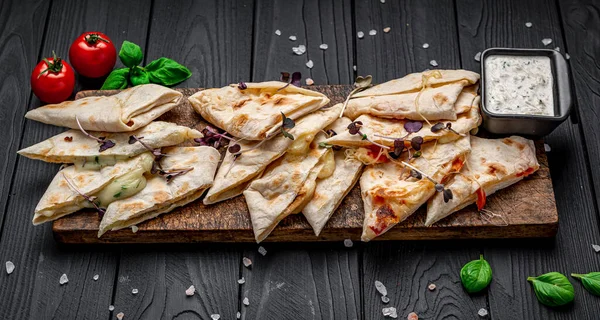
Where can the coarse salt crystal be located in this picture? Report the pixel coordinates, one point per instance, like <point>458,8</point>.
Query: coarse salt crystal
<point>557,49</point>
<point>390,312</point>
<point>380,287</point>
<point>360,34</point>
<point>373,32</point>
<point>242,280</point>
<point>478,56</point>
<point>348,243</point>
<point>528,24</point>
<point>262,249</point>
<point>299,50</point>
<point>111,308</point>
<point>323,46</point>
<point>385,299</point>
<point>278,32</point>
<point>309,64</point>
<point>120,315</point>
<point>134,291</point>
<point>567,56</point>
<point>215,316</point>
<point>387,29</point>
<point>433,63</point>
<point>354,68</point>
<point>425,45</point>
<point>382,1</point>
<point>190,291</point>
<point>10,267</point>
<point>412,316</point>
<point>96,277</point>
<point>246,302</point>
<point>63,279</point>
<point>482,312</point>
<point>247,262</point>
<point>431,286</point>
<point>293,38</point>
<point>547,147</point>
<point>134,229</point>
<point>238,315</point>
<point>309,81</point>
<point>596,247</point>
<point>546,41</point>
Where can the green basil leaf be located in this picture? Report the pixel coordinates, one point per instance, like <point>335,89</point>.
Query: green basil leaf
<point>138,76</point>
<point>552,289</point>
<point>476,275</point>
<point>167,72</point>
<point>117,79</point>
<point>591,281</point>
<point>131,54</point>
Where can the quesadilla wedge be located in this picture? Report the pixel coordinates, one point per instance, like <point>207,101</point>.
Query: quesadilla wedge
<point>374,127</point>
<point>331,190</point>
<point>232,180</point>
<point>391,194</point>
<point>282,188</point>
<point>493,164</point>
<point>64,194</point>
<point>125,111</point>
<point>160,195</point>
<point>75,147</point>
<point>414,82</point>
<point>254,113</point>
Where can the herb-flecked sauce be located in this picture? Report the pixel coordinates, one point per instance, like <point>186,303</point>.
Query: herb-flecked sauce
<point>519,85</point>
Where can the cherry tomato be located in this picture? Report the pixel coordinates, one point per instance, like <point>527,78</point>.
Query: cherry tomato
<point>93,54</point>
<point>53,80</point>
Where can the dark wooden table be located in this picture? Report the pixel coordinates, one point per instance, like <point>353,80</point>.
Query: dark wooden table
<point>224,42</point>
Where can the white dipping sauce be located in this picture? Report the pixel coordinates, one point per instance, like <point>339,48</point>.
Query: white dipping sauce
<point>519,85</point>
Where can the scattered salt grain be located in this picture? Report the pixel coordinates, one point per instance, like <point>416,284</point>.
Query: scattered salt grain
<point>134,291</point>
<point>390,312</point>
<point>309,81</point>
<point>120,315</point>
<point>354,68</point>
<point>323,46</point>
<point>360,34</point>
<point>348,243</point>
<point>547,147</point>
<point>373,32</point>
<point>96,277</point>
<point>278,32</point>
<point>425,45</point>
<point>262,249</point>
<point>242,280</point>
<point>387,29</point>
<point>246,302</point>
<point>63,279</point>
<point>567,56</point>
<point>382,1</point>
<point>215,316</point>
<point>238,315</point>
<point>134,229</point>
<point>433,63</point>
<point>431,286</point>
<point>190,291</point>
<point>292,38</point>
<point>380,287</point>
<point>309,64</point>
<point>528,24</point>
<point>10,267</point>
<point>385,299</point>
<point>546,41</point>
<point>557,49</point>
<point>247,262</point>
<point>111,308</point>
<point>478,56</point>
<point>482,312</point>
<point>412,316</point>
<point>596,247</point>
<point>299,50</point>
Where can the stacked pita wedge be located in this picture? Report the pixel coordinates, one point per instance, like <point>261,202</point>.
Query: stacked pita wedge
<point>253,111</point>
<point>390,194</point>
<point>493,164</point>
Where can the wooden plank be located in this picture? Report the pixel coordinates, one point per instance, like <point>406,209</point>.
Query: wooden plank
<point>229,221</point>
<point>407,268</point>
<point>502,23</point>
<point>33,290</point>
<point>213,39</point>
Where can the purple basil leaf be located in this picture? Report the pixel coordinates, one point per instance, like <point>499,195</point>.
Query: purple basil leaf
<point>416,143</point>
<point>296,79</point>
<point>413,126</point>
<point>106,144</point>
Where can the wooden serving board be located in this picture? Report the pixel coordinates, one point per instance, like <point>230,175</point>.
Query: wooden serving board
<point>528,207</point>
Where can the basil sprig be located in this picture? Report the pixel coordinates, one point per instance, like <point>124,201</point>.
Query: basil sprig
<point>162,71</point>
<point>476,275</point>
<point>553,289</point>
<point>590,281</point>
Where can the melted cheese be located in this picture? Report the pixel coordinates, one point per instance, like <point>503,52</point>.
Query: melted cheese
<point>301,144</point>
<point>97,162</point>
<point>124,186</point>
<point>328,165</point>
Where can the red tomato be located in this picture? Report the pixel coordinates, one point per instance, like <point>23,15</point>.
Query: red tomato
<point>93,54</point>
<point>53,80</point>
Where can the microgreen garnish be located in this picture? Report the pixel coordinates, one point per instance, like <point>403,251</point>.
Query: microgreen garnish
<point>295,79</point>
<point>242,85</point>
<point>104,143</point>
<point>399,147</point>
<point>416,143</point>
<point>437,127</point>
<point>212,138</point>
<point>354,129</point>
<point>418,174</point>
<point>413,126</point>
<point>361,83</point>
<point>234,148</point>
<point>325,145</point>
<point>171,174</point>
<point>91,199</point>
<point>287,123</point>
<point>155,152</point>
<point>448,126</point>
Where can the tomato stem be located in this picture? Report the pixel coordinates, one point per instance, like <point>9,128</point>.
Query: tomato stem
<point>93,38</point>
<point>54,66</point>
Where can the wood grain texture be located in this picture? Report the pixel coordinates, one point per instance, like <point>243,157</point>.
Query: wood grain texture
<point>33,290</point>
<point>229,221</point>
<point>502,23</point>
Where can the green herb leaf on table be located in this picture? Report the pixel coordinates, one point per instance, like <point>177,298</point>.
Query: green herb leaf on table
<point>476,275</point>
<point>138,76</point>
<point>590,281</point>
<point>167,72</point>
<point>131,54</point>
<point>117,79</point>
<point>553,289</point>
